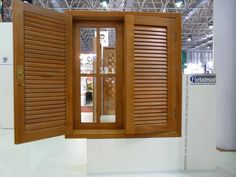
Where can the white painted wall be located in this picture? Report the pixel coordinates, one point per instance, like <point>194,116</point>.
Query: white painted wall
<point>195,150</point>
<point>200,101</point>
<point>225,63</point>
<point>6,76</point>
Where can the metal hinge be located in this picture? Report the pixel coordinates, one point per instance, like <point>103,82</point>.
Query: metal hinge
<point>20,75</point>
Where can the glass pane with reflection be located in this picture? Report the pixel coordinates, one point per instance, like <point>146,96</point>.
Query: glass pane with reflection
<point>108,100</point>
<point>108,50</point>
<point>88,99</point>
<point>88,50</point>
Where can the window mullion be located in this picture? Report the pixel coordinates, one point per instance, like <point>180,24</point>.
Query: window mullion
<point>98,78</point>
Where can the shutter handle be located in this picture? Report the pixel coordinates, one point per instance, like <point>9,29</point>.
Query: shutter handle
<point>20,75</point>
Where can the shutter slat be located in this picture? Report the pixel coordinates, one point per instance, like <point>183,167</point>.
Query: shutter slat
<point>156,59</point>
<point>151,51</point>
<point>41,30</point>
<point>43,52</point>
<point>43,35</point>
<point>150,37</point>
<point>150,74</point>
<point>33,108</point>
<point>138,66</point>
<point>150,55</point>
<point>44,57</point>
<point>33,121</point>
<point>150,107</point>
<point>43,61</point>
<point>42,78</point>
<point>44,86</point>
<point>150,111</point>
<point>46,40</point>
<point>150,63</point>
<point>150,70</point>
<point>148,100</point>
<point>44,99</point>
<point>150,92</point>
<point>152,33</point>
<point>147,89</point>
<point>44,103</point>
<point>150,85</point>
<point>148,28</point>
<point>45,125</point>
<point>150,81</point>
<point>44,19</point>
<point>32,22</point>
<point>44,48</point>
<point>152,122</point>
<point>143,47</point>
<point>149,43</point>
<point>150,40</point>
<point>38,116</point>
<point>27,113</point>
<point>37,73</point>
<point>44,65</point>
<point>57,70</point>
<point>45,90</point>
<point>45,44</point>
<point>149,96</point>
<point>44,82</point>
<point>30,95</point>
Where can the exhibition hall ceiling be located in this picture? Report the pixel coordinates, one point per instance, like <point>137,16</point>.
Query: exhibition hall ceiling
<point>197,15</point>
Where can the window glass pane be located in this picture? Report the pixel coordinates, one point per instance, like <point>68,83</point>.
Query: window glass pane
<point>108,50</point>
<point>108,100</point>
<point>88,100</point>
<point>88,54</point>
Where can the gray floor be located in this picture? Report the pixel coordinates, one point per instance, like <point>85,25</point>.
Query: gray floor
<point>226,167</point>
<point>57,157</point>
<point>53,157</point>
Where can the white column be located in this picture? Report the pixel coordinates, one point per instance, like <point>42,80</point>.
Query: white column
<point>6,76</point>
<point>225,63</point>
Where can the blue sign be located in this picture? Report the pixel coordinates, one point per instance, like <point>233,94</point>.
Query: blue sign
<point>203,79</point>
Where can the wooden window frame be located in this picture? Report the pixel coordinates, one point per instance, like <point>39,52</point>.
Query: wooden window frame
<point>118,75</point>
<point>124,132</point>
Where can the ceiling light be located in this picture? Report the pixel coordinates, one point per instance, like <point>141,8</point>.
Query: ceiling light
<point>211,26</point>
<point>104,3</point>
<point>208,46</point>
<point>189,38</point>
<point>178,3</point>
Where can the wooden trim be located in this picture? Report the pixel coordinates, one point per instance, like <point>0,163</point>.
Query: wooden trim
<point>76,74</point>
<point>178,75</point>
<point>94,134</point>
<point>172,92</point>
<point>18,42</point>
<point>98,78</point>
<point>70,78</point>
<point>129,73</point>
<point>76,14</point>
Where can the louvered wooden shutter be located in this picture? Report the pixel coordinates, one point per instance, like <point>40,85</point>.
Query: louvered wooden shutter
<point>152,72</point>
<point>41,54</point>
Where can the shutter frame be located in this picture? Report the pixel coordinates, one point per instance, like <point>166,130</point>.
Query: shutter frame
<point>52,124</point>
<point>173,121</point>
